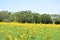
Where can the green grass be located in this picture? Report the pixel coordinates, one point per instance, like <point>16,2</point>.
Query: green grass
<point>22,33</point>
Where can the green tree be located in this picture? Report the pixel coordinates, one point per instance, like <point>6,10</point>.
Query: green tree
<point>24,16</point>
<point>36,18</point>
<point>4,15</point>
<point>57,20</point>
<point>45,18</point>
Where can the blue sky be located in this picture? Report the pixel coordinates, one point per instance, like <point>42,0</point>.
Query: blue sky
<point>41,6</point>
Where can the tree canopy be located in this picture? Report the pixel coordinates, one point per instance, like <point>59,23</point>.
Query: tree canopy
<point>29,17</point>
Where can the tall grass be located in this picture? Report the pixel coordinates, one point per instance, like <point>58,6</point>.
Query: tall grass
<point>27,31</point>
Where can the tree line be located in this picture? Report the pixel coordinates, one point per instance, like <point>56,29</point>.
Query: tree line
<point>29,17</point>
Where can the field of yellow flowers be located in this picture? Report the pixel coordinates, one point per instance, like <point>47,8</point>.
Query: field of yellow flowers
<point>29,31</point>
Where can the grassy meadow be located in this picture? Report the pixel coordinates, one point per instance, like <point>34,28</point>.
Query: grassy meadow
<point>29,31</point>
